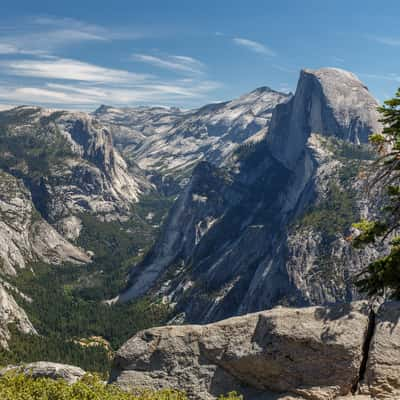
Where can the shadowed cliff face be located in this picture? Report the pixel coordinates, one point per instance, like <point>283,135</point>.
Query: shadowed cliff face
<point>273,231</point>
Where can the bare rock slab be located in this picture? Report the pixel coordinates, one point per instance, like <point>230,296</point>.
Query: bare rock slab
<point>383,368</point>
<point>313,353</point>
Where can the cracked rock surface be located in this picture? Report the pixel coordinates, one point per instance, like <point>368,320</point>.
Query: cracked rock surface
<point>312,353</point>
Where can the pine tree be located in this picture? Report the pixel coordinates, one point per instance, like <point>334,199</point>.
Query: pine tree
<point>382,276</point>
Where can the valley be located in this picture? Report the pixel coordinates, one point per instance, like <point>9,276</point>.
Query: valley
<point>123,219</point>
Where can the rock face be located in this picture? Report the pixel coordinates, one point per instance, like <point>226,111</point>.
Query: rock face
<point>328,101</point>
<point>382,377</point>
<point>313,353</point>
<point>24,235</point>
<point>171,141</point>
<point>44,369</point>
<point>274,227</point>
<point>68,162</point>
<point>12,314</point>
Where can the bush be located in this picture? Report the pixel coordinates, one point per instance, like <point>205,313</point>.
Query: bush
<point>21,387</point>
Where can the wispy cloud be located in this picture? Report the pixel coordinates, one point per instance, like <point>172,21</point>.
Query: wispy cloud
<point>254,46</point>
<point>384,77</point>
<point>76,84</point>
<point>174,63</point>
<point>337,60</point>
<point>88,97</point>
<point>7,49</point>
<point>284,68</point>
<point>43,35</point>
<point>285,87</point>
<point>33,74</point>
<point>67,69</point>
<point>389,41</point>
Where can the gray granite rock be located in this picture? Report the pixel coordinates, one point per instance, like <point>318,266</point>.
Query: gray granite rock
<point>328,101</point>
<point>382,377</point>
<point>312,353</point>
<point>45,369</point>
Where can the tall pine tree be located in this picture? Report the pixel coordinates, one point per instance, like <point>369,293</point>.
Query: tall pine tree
<point>382,277</point>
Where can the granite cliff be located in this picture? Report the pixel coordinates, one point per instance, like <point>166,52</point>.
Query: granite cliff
<point>271,226</point>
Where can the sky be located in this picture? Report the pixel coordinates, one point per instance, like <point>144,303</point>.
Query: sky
<point>81,54</point>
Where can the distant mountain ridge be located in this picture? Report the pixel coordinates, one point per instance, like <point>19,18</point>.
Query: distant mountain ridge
<point>171,141</point>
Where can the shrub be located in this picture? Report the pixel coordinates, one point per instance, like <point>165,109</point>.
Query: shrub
<point>21,387</point>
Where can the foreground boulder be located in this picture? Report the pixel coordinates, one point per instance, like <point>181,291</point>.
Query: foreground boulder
<point>314,353</point>
<point>382,377</point>
<point>44,369</point>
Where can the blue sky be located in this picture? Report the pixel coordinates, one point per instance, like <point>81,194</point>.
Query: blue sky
<point>80,54</point>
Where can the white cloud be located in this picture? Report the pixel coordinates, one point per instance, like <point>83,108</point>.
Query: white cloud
<point>32,74</point>
<point>254,46</point>
<point>68,69</point>
<point>90,95</point>
<point>43,35</point>
<point>6,48</point>
<point>390,41</point>
<point>384,77</point>
<point>173,63</point>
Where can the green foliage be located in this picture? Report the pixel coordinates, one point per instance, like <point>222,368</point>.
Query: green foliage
<point>119,245</point>
<point>39,148</point>
<point>343,150</point>
<point>333,215</point>
<point>382,277</point>
<point>30,348</point>
<point>61,315</point>
<point>20,387</point>
<point>369,230</point>
<point>245,150</point>
<point>90,387</point>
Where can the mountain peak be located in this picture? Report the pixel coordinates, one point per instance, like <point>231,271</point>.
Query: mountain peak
<point>329,101</point>
<point>331,72</point>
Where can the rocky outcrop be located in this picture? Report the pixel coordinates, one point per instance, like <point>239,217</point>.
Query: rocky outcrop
<point>24,235</point>
<point>12,314</point>
<point>79,169</point>
<point>288,203</point>
<point>94,178</point>
<point>314,353</point>
<point>45,369</point>
<point>382,374</point>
